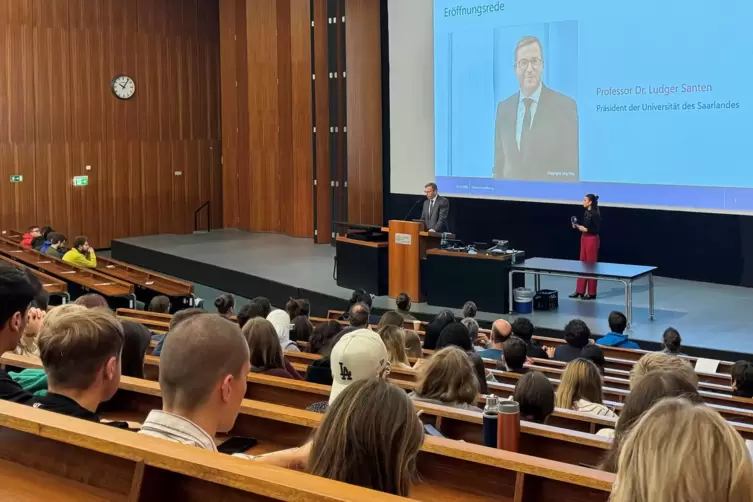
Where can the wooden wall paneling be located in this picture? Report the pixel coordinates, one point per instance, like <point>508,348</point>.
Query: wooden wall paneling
<point>301,184</point>
<point>88,94</point>
<point>123,148</point>
<point>243,153</point>
<point>322,137</point>
<point>53,114</point>
<point>285,189</point>
<point>261,45</point>
<point>364,111</point>
<point>209,58</point>
<point>229,102</point>
<point>17,119</point>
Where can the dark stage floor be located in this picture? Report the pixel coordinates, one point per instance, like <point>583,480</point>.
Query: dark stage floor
<point>709,316</point>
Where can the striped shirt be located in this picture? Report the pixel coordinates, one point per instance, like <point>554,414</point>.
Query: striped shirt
<point>164,425</point>
<point>593,408</point>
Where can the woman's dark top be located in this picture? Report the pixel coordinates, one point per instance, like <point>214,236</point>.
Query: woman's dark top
<point>592,222</point>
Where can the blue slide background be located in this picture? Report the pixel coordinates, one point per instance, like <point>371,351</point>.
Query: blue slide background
<point>589,45</point>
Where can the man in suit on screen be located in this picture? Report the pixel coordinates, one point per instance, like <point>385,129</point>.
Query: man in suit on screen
<point>436,209</point>
<point>536,136</point>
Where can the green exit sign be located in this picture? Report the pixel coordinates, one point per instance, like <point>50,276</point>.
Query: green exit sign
<point>16,178</point>
<point>80,181</point>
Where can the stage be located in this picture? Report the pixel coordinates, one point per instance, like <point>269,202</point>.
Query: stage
<point>710,317</point>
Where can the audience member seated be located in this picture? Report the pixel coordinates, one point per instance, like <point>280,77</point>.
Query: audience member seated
<point>683,451</point>
<point>580,389</point>
<point>403,303</point>
<point>742,379</point>
<point>323,336</point>
<point>81,254</point>
<point>523,328</point>
<point>159,304</point>
<point>81,355</point>
<point>177,318</point>
<point>225,305</point>
<point>266,306</point>
<point>483,375</point>
<point>577,336</point>
<point>358,296</point>
<point>92,301</point>
<point>302,329</point>
<point>322,341</point>
<point>56,247</point>
<point>16,295</point>
<point>250,310</point>
<point>390,318</point>
<point>264,347</point>
<point>304,307</point>
<point>455,334</point>
<point>281,323</point>
<point>394,340</point>
<point>136,340</point>
<point>479,340</point>
<point>469,310</point>
<point>358,355</point>
<point>595,354</point>
<point>34,317</point>
<point>369,437</point>
<point>413,346</point>
<point>41,242</point>
<point>435,327</point>
<point>358,317</point>
<point>202,376</point>
<point>535,395</point>
<point>514,356</point>
<point>448,378</point>
<point>616,336</point>
<point>656,386</point>
<point>671,341</point>
<point>29,236</point>
<point>660,361</point>
<point>292,308</point>
<point>501,331</point>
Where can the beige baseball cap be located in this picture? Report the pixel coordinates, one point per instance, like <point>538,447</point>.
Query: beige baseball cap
<point>358,355</point>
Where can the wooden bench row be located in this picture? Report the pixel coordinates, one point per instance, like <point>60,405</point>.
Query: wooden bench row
<point>448,469</point>
<point>110,278</point>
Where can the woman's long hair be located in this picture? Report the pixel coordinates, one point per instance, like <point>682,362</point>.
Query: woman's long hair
<point>370,437</point>
<point>680,451</point>
<point>264,348</point>
<point>652,388</point>
<point>581,380</point>
<point>448,376</point>
<point>394,339</point>
<point>594,202</point>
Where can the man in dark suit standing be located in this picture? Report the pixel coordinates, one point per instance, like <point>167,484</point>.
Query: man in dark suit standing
<point>536,135</point>
<point>436,209</point>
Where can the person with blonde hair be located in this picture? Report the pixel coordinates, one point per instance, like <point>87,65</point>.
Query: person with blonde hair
<point>660,361</point>
<point>656,386</point>
<point>683,452</point>
<point>448,378</point>
<point>369,437</point>
<point>394,339</point>
<point>81,354</point>
<point>413,346</point>
<point>390,318</point>
<point>580,389</point>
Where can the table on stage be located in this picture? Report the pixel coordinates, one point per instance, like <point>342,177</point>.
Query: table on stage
<point>362,264</point>
<point>626,274</point>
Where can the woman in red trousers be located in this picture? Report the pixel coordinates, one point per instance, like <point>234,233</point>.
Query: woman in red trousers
<point>589,244</point>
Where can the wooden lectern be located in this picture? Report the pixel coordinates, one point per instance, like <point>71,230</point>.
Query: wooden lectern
<point>407,247</point>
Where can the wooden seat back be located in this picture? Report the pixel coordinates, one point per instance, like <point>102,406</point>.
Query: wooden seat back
<point>50,284</point>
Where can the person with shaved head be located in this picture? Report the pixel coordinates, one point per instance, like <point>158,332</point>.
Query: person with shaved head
<point>501,331</point>
<point>203,370</point>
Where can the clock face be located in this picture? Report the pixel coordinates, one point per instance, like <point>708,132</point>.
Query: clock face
<point>123,87</point>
